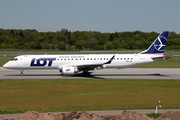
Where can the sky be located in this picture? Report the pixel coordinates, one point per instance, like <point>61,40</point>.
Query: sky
<point>91,15</point>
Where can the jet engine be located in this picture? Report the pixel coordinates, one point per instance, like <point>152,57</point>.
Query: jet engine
<point>69,70</point>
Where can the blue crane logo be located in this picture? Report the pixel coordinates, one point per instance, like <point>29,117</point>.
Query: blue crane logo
<point>160,43</point>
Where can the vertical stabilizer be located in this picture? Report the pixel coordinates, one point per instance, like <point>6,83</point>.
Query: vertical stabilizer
<point>158,46</point>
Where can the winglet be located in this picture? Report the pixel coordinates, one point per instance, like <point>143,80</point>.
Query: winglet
<point>158,46</point>
<point>109,62</point>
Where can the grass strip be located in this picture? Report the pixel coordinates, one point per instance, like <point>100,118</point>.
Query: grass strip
<point>18,96</point>
<point>153,115</point>
<point>3,60</point>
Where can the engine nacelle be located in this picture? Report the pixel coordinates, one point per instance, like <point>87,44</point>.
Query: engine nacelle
<point>69,70</point>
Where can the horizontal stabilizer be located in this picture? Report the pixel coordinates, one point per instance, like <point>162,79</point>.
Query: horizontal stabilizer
<point>165,57</point>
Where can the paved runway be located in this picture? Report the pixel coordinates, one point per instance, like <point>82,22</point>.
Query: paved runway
<point>128,73</point>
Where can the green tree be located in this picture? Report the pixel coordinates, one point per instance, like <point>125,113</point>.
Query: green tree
<point>48,37</point>
<point>173,42</point>
<point>18,40</point>
<point>172,35</point>
<point>52,46</point>
<point>98,47</point>
<point>45,45</point>
<point>80,44</point>
<point>116,43</point>
<point>31,45</point>
<point>86,36</point>
<point>111,37</point>
<point>12,33</point>
<point>64,31</point>
<point>61,45</point>
<point>116,35</point>
<point>109,45</point>
<point>2,38</point>
<point>91,45</point>
<point>131,44</point>
<point>72,41</point>
<point>21,34</point>
<point>39,39</point>
<point>38,46</point>
<point>101,41</point>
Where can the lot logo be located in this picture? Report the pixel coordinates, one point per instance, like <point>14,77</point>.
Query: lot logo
<point>41,61</point>
<point>68,69</point>
<point>160,44</point>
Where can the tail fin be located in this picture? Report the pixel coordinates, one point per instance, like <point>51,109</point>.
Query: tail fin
<point>158,46</point>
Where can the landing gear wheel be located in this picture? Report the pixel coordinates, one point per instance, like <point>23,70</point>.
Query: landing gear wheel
<point>87,74</point>
<point>21,75</point>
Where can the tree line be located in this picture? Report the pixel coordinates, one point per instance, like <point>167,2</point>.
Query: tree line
<point>81,40</point>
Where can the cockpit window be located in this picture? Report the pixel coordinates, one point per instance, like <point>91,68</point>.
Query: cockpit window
<point>14,59</point>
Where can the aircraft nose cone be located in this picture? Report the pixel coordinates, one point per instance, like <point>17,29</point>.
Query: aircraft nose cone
<point>6,65</point>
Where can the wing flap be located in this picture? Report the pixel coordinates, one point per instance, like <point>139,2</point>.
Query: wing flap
<point>89,66</point>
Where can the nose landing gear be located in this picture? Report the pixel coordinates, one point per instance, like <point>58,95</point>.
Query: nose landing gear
<point>21,74</point>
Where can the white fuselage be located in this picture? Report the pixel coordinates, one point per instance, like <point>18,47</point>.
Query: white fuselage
<point>25,62</point>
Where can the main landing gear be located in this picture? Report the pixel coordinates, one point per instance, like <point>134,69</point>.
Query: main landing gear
<point>86,73</point>
<point>21,74</point>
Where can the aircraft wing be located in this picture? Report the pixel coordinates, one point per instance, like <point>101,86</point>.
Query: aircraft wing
<point>88,66</point>
<point>167,56</point>
<point>91,66</point>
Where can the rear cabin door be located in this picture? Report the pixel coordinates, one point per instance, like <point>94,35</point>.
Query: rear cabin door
<point>137,56</point>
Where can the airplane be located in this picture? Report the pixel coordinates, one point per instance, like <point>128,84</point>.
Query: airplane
<point>71,64</point>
